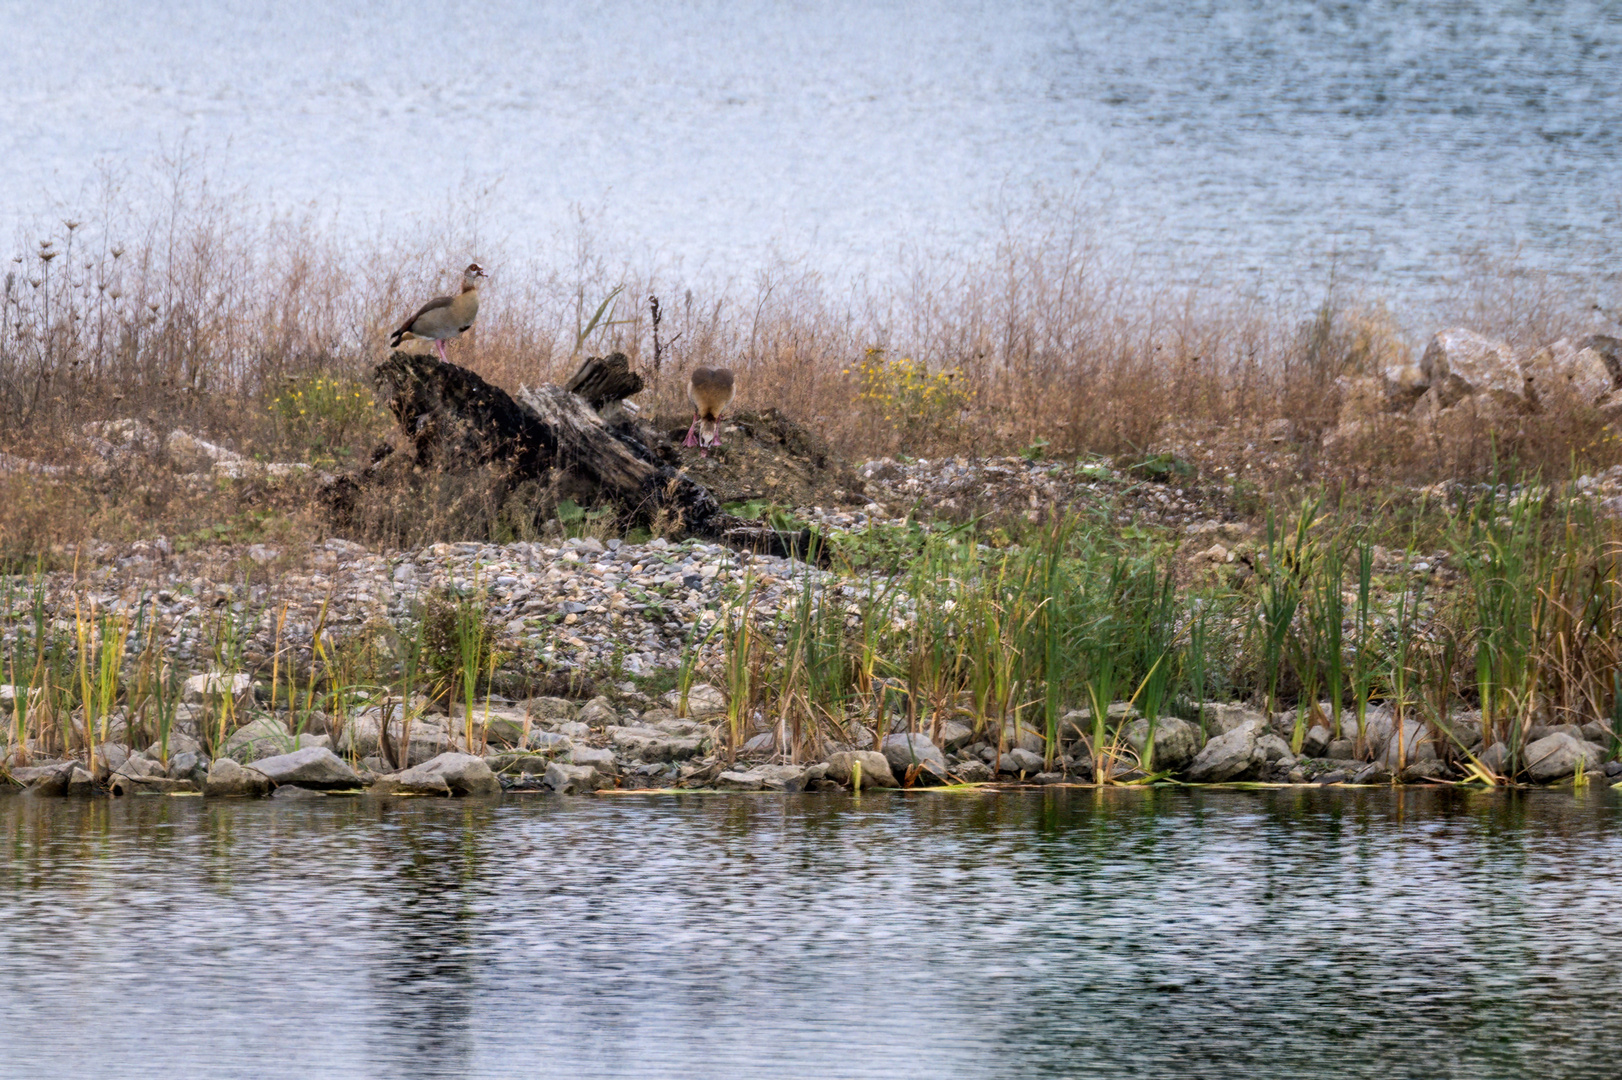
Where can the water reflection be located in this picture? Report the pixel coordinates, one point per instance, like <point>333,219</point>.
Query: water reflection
<point>1293,932</point>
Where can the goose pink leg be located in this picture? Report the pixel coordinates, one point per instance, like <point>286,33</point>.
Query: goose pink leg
<point>692,433</point>
<point>439,347</point>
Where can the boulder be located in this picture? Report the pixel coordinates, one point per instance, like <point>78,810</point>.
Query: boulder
<point>362,736</point>
<point>599,712</point>
<point>229,778</point>
<point>875,768</point>
<point>647,744</point>
<point>463,774</point>
<point>413,781</point>
<point>789,778</point>
<point>138,768</point>
<point>1020,761</point>
<point>517,762</point>
<point>549,742</point>
<point>571,779</point>
<point>1378,725</point>
<point>108,759</point>
<point>1223,717</point>
<point>702,700</point>
<point>292,791</point>
<point>216,684</point>
<point>1341,750</point>
<point>1274,749</point>
<point>264,736</point>
<point>683,728</point>
<point>1399,385</point>
<point>905,751</point>
<point>1315,743</point>
<point>1596,732</point>
<point>311,767</point>
<point>1363,400</point>
<point>1555,757</point>
<point>601,760</point>
<point>1461,362</point>
<point>80,782</point>
<point>51,779</point>
<point>550,708</point>
<point>123,783</point>
<point>1564,369</point>
<point>1233,755</point>
<point>189,454</point>
<point>1463,730</point>
<point>1414,745</point>
<point>1372,773</point>
<point>1176,742</point>
<point>971,772</point>
<point>1075,725</point>
<point>178,744</point>
<point>183,765</point>
<point>759,745</point>
<point>1495,758</point>
<point>504,727</point>
<point>954,736</point>
<point>1027,737</point>
<point>1425,770</point>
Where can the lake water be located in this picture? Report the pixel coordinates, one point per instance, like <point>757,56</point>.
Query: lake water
<point>1246,140</point>
<point>1165,933</point>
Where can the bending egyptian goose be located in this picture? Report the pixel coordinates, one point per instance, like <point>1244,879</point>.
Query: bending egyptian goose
<point>444,317</point>
<point>709,389</point>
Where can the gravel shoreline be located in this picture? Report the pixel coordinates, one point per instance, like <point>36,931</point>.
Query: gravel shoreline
<point>622,612</point>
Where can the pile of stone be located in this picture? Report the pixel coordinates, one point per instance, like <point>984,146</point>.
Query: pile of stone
<point>560,746</point>
<point>962,487</point>
<point>581,603</point>
<point>1465,378</point>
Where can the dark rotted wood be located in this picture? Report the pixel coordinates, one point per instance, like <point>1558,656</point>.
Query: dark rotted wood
<point>602,379</point>
<point>456,421</point>
<point>627,471</point>
<point>453,420</point>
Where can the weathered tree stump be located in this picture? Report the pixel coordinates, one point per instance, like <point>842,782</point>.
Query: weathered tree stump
<point>602,379</point>
<point>455,421</point>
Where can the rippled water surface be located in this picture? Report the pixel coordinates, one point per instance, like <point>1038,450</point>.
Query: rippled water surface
<point>1237,137</point>
<point>1126,933</point>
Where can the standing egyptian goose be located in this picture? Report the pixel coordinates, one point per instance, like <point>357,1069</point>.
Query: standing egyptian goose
<point>444,317</point>
<point>709,389</point>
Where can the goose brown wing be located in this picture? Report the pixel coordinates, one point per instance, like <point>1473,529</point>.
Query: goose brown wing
<point>433,305</point>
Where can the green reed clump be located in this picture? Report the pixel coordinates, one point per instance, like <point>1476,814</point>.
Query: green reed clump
<point>984,635</point>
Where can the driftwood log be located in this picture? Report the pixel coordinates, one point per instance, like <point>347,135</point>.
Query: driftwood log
<point>455,421</point>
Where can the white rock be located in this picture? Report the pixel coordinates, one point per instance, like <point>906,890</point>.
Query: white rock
<point>216,684</point>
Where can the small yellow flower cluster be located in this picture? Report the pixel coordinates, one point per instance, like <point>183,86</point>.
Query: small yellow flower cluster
<point>906,393</point>
<point>323,411</point>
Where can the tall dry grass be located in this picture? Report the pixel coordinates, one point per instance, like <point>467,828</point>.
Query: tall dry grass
<point>199,315</point>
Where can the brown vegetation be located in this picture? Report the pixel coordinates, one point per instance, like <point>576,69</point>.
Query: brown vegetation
<point>197,320</point>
